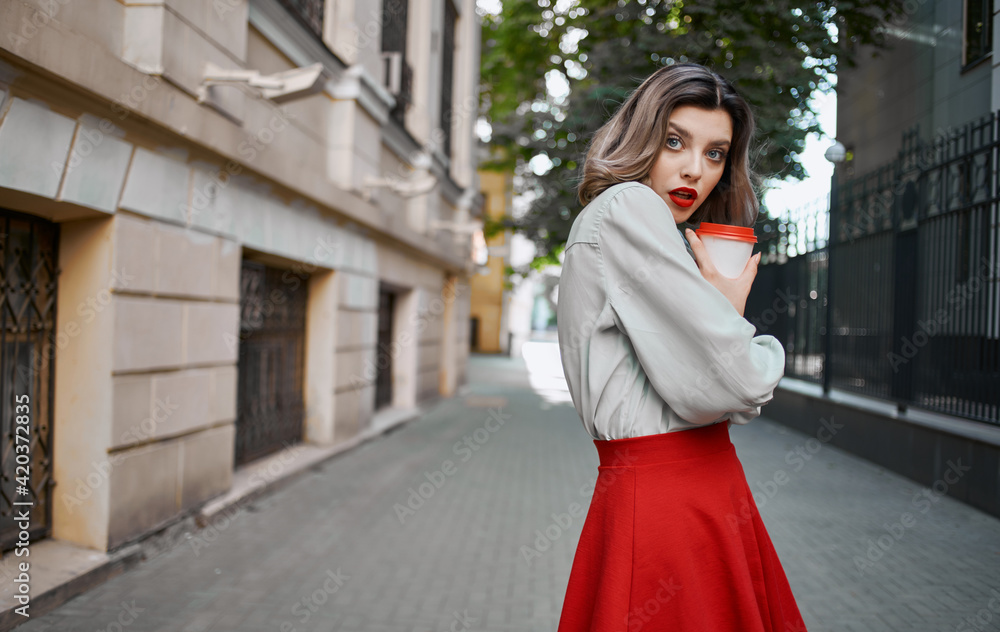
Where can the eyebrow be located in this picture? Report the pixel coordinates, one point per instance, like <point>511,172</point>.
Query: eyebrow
<point>686,134</point>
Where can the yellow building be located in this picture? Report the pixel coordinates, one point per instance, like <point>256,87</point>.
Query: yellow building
<point>490,309</point>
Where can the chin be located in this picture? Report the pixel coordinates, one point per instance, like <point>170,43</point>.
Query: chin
<point>690,212</point>
<point>683,216</point>
<point>680,214</point>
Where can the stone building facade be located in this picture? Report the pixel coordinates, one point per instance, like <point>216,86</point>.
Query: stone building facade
<point>204,264</point>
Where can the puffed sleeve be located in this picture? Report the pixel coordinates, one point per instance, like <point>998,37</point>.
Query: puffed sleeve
<point>698,352</point>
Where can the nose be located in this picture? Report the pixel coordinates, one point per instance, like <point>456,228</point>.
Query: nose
<point>691,170</point>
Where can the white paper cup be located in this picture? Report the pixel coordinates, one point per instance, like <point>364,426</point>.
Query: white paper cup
<point>729,247</point>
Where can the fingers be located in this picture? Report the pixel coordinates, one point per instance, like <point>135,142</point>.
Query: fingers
<point>692,237</point>
<point>695,245</point>
<point>750,269</point>
<point>698,248</point>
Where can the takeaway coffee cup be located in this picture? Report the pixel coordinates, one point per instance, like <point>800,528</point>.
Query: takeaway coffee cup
<point>728,246</point>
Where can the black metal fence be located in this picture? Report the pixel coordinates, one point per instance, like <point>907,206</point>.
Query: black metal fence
<point>891,291</point>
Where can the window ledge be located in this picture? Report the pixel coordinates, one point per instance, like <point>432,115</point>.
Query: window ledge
<point>975,63</point>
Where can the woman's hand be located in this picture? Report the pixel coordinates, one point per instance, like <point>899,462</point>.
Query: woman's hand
<point>735,290</point>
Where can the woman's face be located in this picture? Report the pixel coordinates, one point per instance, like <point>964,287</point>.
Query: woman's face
<point>693,159</point>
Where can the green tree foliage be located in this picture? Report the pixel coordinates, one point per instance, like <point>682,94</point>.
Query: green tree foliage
<point>776,53</point>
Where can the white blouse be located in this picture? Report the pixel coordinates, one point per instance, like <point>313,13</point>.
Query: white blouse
<point>647,344</point>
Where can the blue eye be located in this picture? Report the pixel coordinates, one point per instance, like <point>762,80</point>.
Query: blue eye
<point>673,139</point>
<point>719,155</point>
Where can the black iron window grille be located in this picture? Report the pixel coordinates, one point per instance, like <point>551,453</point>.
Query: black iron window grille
<point>28,282</point>
<point>383,376</point>
<point>398,73</point>
<point>447,74</point>
<point>270,404</point>
<point>308,12</point>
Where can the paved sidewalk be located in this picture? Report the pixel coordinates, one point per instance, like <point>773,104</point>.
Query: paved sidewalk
<point>458,521</point>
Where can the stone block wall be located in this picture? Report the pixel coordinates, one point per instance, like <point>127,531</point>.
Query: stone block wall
<point>176,309</point>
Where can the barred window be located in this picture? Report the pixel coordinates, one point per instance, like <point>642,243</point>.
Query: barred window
<point>447,71</point>
<point>394,25</point>
<point>309,12</point>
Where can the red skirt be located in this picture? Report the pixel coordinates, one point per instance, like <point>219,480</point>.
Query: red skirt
<point>673,542</point>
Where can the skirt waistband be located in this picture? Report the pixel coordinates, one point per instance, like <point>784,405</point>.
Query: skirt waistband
<point>666,446</point>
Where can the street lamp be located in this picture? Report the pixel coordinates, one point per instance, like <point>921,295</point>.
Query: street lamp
<point>836,152</point>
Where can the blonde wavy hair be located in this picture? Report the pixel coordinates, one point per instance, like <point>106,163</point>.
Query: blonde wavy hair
<point>625,148</point>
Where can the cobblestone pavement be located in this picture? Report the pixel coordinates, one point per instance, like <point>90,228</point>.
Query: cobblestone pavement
<point>467,519</point>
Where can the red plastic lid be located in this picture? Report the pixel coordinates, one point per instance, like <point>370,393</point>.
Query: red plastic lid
<point>727,231</point>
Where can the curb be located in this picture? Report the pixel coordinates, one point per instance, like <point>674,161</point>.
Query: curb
<point>118,562</point>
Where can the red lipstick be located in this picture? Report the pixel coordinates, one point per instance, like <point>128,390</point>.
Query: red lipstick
<point>683,196</point>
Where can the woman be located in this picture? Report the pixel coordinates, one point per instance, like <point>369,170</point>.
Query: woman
<point>660,361</point>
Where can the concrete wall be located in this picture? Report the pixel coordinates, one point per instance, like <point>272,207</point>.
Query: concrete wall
<point>160,197</point>
<point>145,397</point>
<point>919,81</point>
<point>952,456</point>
